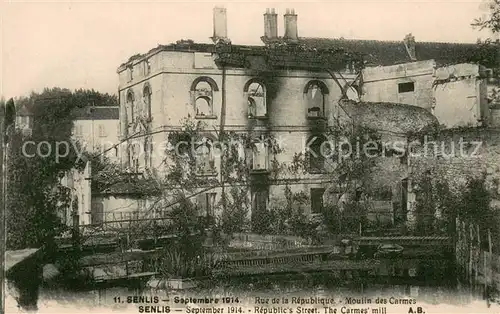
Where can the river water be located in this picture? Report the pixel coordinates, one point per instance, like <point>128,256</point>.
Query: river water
<point>428,281</point>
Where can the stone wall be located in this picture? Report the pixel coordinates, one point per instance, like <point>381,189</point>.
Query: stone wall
<point>380,84</point>
<point>455,94</point>
<point>478,156</point>
<point>173,73</point>
<point>460,96</point>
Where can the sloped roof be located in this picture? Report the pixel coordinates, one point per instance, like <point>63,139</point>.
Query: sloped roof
<point>97,113</point>
<point>390,117</point>
<point>374,52</point>
<point>392,52</point>
<point>453,53</point>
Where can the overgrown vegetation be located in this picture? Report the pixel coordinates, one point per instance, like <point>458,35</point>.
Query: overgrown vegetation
<point>492,21</point>
<point>236,182</point>
<point>186,257</point>
<point>438,204</point>
<point>35,194</point>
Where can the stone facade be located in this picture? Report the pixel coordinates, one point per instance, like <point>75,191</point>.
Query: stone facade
<point>171,80</point>
<point>447,159</point>
<point>81,196</point>
<point>455,94</point>
<point>460,93</point>
<point>97,129</point>
<point>212,85</point>
<point>408,83</point>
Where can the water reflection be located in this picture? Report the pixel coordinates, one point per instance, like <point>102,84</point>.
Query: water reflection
<point>430,281</point>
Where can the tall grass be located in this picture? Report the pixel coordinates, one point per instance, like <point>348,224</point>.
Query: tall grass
<point>174,263</point>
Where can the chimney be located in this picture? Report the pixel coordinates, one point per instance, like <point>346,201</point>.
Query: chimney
<point>291,25</point>
<point>409,42</point>
<point>220,24</point>
<point>270,24</point>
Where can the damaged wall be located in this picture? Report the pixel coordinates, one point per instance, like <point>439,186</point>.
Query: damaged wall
<point>172,76</point>
<point>460,96</point>
<point>408,83</point>
<point>455,94</point>
<point>287,110</point>
<point>171,81</point>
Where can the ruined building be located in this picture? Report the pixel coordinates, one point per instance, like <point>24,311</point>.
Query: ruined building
<point>288,88</point>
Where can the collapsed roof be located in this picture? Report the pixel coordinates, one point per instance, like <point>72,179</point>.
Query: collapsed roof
<point>290,50</point>
<point>390,117</point>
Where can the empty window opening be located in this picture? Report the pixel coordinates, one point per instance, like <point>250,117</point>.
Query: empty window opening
<point>203,99</point>
<point>315,100</point>
<point>204,157</point>
<point>97,213</point>
<point>259,156</point>
<point>317,200</point>
<point>406,87</point>
<point>130,107</point>
<point>257,100</point>
<point>147,101</point>
<point>147,67</point>
<point>317,153</point>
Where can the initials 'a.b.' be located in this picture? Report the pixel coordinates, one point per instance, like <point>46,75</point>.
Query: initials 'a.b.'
<point>418,310</point>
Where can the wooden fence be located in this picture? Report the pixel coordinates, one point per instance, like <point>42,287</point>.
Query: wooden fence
<point>123,220</point>
<point>478,266</point>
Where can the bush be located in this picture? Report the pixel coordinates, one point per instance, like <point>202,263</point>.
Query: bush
<point>346,221</point>
<point>278,220</point>
<point>262,222</point>
<point>302,226</point>
<point>235,212</point>
<point>175,263</point>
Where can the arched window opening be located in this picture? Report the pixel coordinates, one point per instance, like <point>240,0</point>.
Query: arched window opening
<point>317,206</point>
<point>134,157</point>
<point>260,210</point>
<point>203,98</point>
<point>147,152</point>
<point>256,94</point>
<point>130,107</point>
<point>203,106</point>
<point>147,67</point>
<point>204,157</point>
<point>146,94</point>
<point>315,96</point>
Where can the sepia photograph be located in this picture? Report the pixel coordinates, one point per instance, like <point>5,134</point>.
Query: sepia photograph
<point>250,157</point>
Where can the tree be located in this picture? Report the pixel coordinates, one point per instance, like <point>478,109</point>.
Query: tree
<point>35,196</point>
<point>182,184</point>
<point>492,21</point>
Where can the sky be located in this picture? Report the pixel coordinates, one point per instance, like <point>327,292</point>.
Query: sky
<point>81,44</point>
